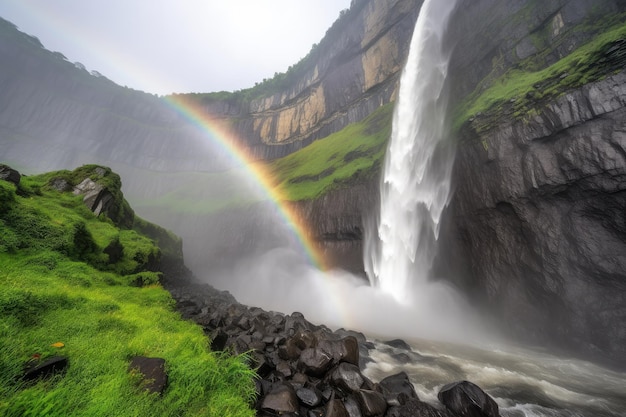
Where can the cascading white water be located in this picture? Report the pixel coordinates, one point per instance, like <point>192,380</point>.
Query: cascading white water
<point>415,188</point>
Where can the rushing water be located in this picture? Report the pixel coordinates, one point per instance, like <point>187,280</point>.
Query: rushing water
<point>524,383</point>
<point>416,179</point>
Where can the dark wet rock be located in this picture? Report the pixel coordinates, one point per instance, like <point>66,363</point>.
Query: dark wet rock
<point>9,174</point>
<point>310,397</point>
<point>398,344</point>
<point>373,404</point>
<point>352,407</point>
<point>394,385</point>
<point>335,408</point>
<point>35,369</point>
<point>347,378</point>
<point>280,400</point>
<point>416,408</point>
<point>153,377</point>
<point>284,368</point>
<point>467,399</point>
<point>314,362</point>
<point>343,350</point>
<point>218,340</point>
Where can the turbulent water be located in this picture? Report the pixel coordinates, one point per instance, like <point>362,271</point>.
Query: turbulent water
<point>524,383</point>
<point>418,166</point>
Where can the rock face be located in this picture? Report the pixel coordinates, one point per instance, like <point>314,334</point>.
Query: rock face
<point>353,71</point>
<point>540,211</point>
<point>539,205</point>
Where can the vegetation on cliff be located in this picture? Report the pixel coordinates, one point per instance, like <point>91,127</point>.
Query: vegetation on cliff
<point>351,154</point>
<point>76,285</point>
<point>516,93</point>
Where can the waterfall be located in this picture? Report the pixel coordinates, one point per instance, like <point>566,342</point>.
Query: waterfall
<point>415,188</point>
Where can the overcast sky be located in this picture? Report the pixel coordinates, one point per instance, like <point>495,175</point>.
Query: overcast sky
<point>165,46</point>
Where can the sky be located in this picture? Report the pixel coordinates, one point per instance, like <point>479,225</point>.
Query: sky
<point>168,46</point>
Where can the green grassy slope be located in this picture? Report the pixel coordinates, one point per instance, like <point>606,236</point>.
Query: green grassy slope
<point>59,284</point>
<point>352,154</point>
<point>517,91</point>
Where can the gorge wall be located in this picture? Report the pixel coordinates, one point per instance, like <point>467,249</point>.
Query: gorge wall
<point>353,71</point>
<point>539,203</point>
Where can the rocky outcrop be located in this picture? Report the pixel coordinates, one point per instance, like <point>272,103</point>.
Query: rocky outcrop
<point>9,174</point>
<point>340,234</point>
<point>353,71</point>
<point>540,210</point>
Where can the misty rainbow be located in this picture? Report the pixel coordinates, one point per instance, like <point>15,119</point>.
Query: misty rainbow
<point>194,113</point>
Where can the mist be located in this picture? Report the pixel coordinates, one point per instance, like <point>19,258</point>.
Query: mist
<point>279,280</point>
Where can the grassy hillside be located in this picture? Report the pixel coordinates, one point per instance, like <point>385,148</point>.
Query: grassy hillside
<point>517,91</point>
<point>67,276</point>
<point>352,154</point>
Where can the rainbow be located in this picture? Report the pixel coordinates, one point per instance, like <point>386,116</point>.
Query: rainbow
<point>194,113</point>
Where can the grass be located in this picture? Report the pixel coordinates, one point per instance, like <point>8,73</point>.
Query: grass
<point>58,284</point>
<point>352,154</point>
<point>517,91</point>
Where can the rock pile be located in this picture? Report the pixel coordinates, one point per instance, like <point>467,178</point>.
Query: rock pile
<point>308,370</point>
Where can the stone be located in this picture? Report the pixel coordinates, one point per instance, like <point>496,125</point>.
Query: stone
<point>314,362</point>
<point>152,370</point>
<point>415,408</point>
<point>467,399</point>
<point>352,407</point>
<point>95,196</point>
<point>398,344</point>
<point>310,397</point>
<point>9,174</point>
<point>394,385</point>
<point>218,340</point>
<point>343,350</point>
<point>37,369</point>
<point>280,400</point>
<point>373,404</point>
<point>335,408</point>
<point>347,377</point>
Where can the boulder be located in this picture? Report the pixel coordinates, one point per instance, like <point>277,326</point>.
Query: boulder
<point>152,370</point>
<point>373,404</point>
<point>280,400</point>
<point>9,174</point>
<point>343,350</point>
<point>310,396</point>
<point>95,196</point>
<point>468,400</point>
<point>335,408</point>
<point>36,369</point>
<point>314,362</point>
<point>347,378</point>
<point>416,408</point>
<point>394,385</point>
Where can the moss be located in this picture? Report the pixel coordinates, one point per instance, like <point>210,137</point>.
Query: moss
<point>518,91</point>
<point>353,153</point>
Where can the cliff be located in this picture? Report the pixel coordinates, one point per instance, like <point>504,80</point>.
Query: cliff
<point>541,173</point>
<point>354,70</point>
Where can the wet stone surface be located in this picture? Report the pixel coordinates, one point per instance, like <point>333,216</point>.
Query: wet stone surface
<point>303,369</point>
